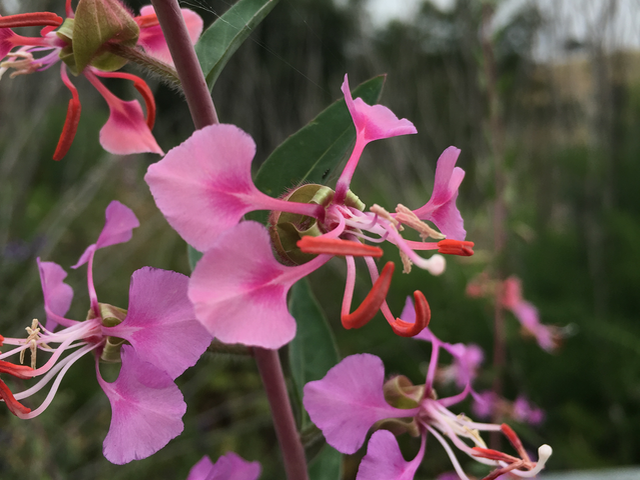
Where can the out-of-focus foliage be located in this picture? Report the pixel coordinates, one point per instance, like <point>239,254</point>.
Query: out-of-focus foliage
<point>572,150</point>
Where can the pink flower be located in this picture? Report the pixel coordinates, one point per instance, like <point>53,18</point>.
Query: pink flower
<point>487,404</point>
<point>162,337</point>
<point>204,188</point>
<point>352,397</point>
<point>230,466</point>
<point>128,129</point>
<point>548,337</point>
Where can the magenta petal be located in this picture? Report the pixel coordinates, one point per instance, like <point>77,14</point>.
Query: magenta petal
<point>349,400</point>
<point>240,291</point>
<point>161,324</point>
<point>384,461</point>
<point>204,185</point>
<point>118,227</point>
<point>152,38</point>
<point>57,294</point>
<point>374,122</point>
<point>231,466</point>
<point>201,470</point>
<point>147,409</point>
<point>441,208</point>
<point>126,131</point>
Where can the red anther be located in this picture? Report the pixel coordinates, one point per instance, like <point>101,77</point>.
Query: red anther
<point>13,405</point>
<point>1,340</point>
<point>423,316</point>
<point>70,128</point>
<point>337,246</point>
<point>48,29</point>
<point>501,471</point>
<point>34,19</point>
<point>455,247</point>
<point>493,455</point>
<point>371,304</point>
<point>19,371</point>
<point>515,441</point>
<point>146,21</point>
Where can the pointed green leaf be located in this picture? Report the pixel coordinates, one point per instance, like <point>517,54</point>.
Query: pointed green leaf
<point>327,465</point>
<point>313,351</point>
<point>97,22</point>
<point>220,41</point>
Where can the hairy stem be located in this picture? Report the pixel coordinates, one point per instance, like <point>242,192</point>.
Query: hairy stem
<point>163,70</point>
<point>290,443</point>
<point>194,85</point>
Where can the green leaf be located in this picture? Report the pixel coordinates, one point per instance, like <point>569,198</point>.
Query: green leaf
<point>194,256</point>
<point>311,154</point>
<point>327,465</point>
<point>313,351</point>
<point>220,41</point>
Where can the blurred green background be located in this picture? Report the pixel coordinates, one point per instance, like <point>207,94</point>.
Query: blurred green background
<point>568,95</point>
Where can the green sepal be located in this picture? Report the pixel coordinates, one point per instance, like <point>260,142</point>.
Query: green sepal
<point>401,393</point>
<point>96,23</point>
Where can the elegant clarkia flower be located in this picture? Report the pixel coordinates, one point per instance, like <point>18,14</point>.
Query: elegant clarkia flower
<point>155,340</point>
<point>204,188</point>
<point>353,397</point>
<point>78,43</point>
<point>510,297</point>
<point>230,466</point>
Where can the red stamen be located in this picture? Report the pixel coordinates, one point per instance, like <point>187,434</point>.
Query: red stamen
<point>70,128</point>
<point>149,102</point>
<point>494,455</point>
<point>1,340</point>
<point>18,371</point>
<point>371,304</point>
<point>423,317</point>
<point>501,471</point>
<point>71,122</point>
<point>146,21</point>
<point>455,247</point>
<point>13,405</point>
<point>337,246</point>
<point>515,441</point>
<point>35,19</point>
<point>46,30</point>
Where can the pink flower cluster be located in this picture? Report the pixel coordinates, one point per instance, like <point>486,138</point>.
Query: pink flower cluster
<point>353,397</point>
<point>204,188</point>
<point>155,340</point>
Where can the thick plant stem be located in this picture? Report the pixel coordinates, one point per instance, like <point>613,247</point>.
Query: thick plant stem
<point>203,112</point>
<point>290,443</point>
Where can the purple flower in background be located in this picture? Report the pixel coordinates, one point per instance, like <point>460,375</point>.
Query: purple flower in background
<point>155,340</point>
<point>487,404</point>
<point>230,466</point>
<point>204,188</point>
<point>353,397</point>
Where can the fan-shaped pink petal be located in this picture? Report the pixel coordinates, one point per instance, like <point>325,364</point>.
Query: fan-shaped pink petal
<point>201,470</point>
<point>57,294</point>
<point>204,185</point>
<point>147,409</point>
<point>126,131</point>
<point>349,400</point>
<point>118,228</point>
<point>240,291</point>
<point>441,208</point>
<point>374,122</point>
<point>384,461</point>
<point>161,324</point>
